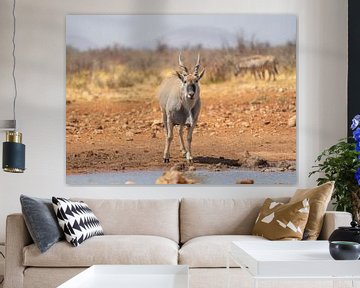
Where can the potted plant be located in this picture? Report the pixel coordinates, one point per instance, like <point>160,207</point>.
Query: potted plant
<point>341,163</point>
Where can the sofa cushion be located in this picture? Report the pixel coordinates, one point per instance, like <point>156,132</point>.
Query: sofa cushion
<point>279,221</point>
<point>200,217</point>
<point>211,251</point>
<point>35,277</point>
<point>158,217</point>
<point>107,249</point>
<point>319,198</point>
<point>41,221</point>
<point>77,220</point>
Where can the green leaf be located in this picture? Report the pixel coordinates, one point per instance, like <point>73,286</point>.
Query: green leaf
<point>338,163</point>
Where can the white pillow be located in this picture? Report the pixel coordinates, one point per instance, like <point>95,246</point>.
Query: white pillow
<point>76,220</point>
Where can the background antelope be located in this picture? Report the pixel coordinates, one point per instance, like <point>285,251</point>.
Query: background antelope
<point>179,98</point>
<point>257,65</point>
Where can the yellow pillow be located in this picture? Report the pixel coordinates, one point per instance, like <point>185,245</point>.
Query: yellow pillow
<point>319,198</point>
<point>279,221</point>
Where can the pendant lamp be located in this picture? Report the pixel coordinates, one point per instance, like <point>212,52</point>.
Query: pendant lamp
<point>13,159</point>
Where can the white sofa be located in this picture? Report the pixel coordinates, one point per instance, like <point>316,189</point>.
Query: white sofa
<point>190,231</point>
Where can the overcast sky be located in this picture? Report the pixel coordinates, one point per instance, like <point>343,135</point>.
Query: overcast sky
<point>144,31</point>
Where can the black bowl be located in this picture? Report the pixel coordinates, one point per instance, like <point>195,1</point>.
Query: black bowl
<point>344,250</point>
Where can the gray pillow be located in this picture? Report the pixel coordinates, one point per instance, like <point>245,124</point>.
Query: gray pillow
<point>41,221</point>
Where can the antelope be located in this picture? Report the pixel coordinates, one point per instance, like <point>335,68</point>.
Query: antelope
<point>250,64</point>
<point>270,63</point>
<point>257,65</point>
<point>179,99</point>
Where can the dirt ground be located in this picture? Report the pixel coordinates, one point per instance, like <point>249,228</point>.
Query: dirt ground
<point>242,124</point>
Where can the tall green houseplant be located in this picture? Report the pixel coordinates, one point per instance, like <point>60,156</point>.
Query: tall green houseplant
<point>341,163</point>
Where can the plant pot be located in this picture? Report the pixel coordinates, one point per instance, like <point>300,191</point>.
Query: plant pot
<point>351,233</point>
<point>344,250</point>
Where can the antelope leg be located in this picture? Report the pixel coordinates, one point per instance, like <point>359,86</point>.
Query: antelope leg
<point>169,137</point>
<point>182,145</point>
<point>189,139</point>
<point>165,123</point>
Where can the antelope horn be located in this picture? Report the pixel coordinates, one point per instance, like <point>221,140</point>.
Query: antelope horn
<point>197,66</point>
<point>181,64</point>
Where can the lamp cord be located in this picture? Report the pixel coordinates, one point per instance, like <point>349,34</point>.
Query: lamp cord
<point>14,60</point>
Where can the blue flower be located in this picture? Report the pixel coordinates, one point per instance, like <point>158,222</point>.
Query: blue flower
<point>355,122</point>
<point>355,126</point>
<point>356,134</point>
<point>357,176</point>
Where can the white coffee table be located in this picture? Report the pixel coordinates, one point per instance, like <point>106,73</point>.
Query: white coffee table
<point>131,276</point>
<point>292,260</point>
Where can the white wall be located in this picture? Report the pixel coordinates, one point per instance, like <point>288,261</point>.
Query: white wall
<point>322,66</point>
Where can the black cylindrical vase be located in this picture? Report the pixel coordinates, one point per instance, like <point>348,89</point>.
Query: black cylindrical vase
<point>13,153</point>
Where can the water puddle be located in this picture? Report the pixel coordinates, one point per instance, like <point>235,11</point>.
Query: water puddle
<point>226,177</point>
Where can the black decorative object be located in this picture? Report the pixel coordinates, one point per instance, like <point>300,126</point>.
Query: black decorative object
<point>344,250</point>
<point>13,153</point>
<point>345,233</point>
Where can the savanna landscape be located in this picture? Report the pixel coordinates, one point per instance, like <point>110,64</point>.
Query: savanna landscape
<point>114,123</point>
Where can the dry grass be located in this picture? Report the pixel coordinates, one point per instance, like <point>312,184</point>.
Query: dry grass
<point>126,74</point>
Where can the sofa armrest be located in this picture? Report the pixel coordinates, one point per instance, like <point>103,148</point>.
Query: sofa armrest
<point>17,237</point>
<point>333,220</point>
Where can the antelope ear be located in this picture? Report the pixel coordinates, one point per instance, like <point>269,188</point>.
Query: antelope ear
<point>180,76</point>
<point>201,74</point>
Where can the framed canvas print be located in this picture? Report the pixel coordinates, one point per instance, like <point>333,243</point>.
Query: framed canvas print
<point>172,99</point>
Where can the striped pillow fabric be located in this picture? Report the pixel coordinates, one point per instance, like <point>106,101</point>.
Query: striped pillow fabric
<point>76,220</point>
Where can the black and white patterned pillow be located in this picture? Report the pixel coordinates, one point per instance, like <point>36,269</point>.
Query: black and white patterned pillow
<point>77,220</point>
